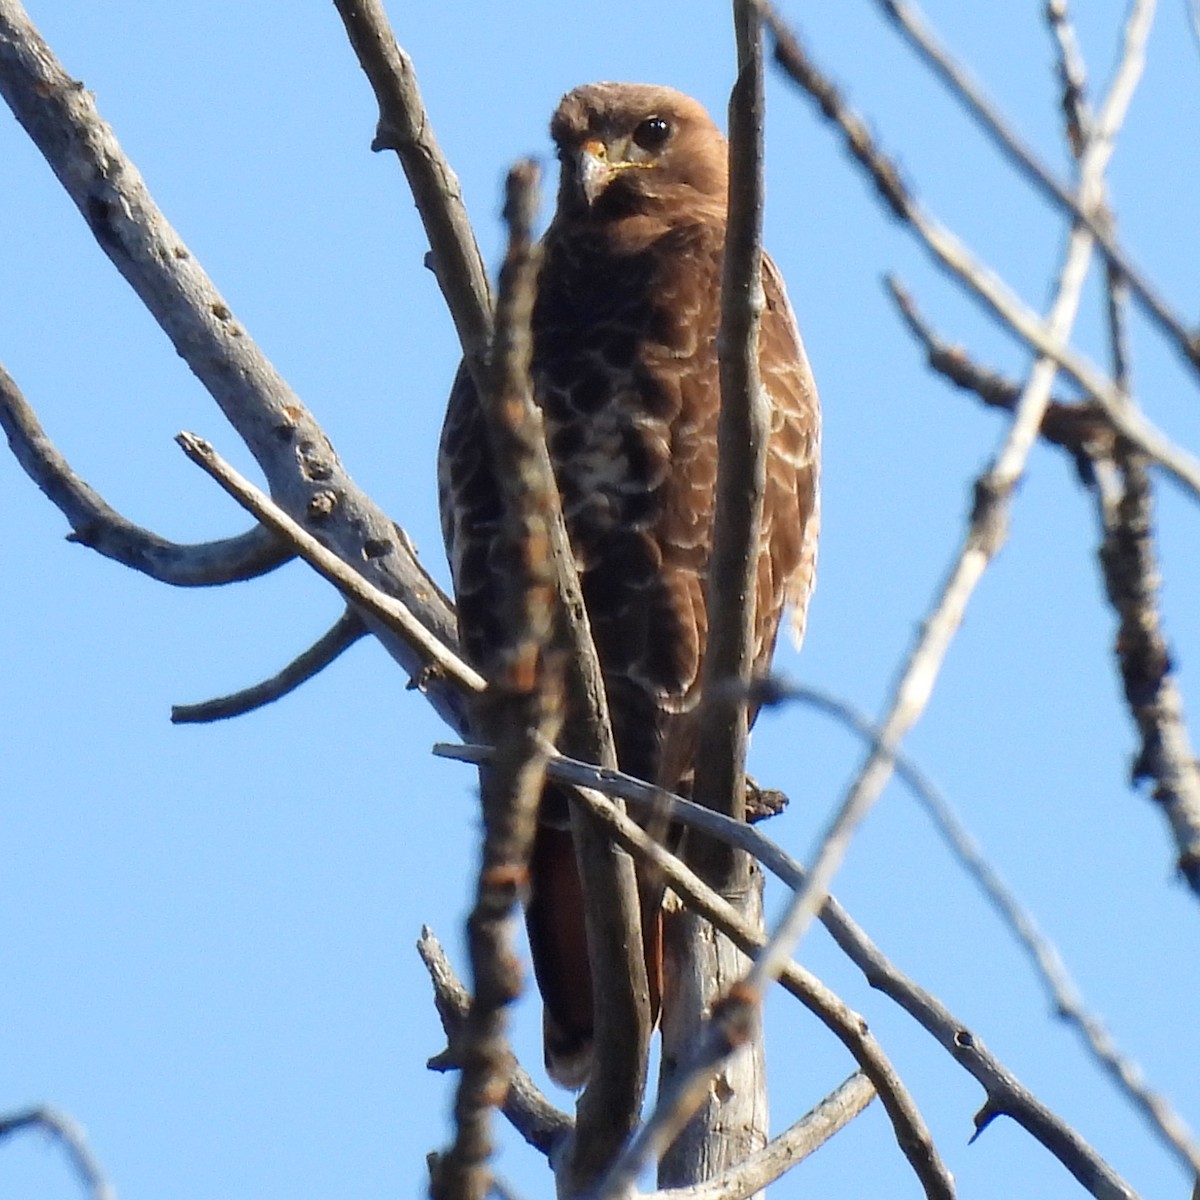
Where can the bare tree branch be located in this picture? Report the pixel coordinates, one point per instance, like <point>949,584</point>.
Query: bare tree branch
<point>438,658</point>
<point>543,1126</point>
<point>71,1137</point>
<point>1005,1093</point>
<point>907,18</point>
<point>1131,579</point>
<point>95,524</point>
<point>404,127</point>
<point>340,637</point>
<point>787,1150</point>
<point>949,252</point>
<point>1082,429</point>
<point>306,478</point>
<point>717,1127</point>
<point>1072,75</point>
<point>741,464</point>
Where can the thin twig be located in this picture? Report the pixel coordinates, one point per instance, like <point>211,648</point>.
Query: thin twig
<point>70,1135</point>
<point>335,641</point>
<point>907,18</point>
<point>543,1126</point>
<point>436,655</point>
<point>404,127</point>
<point>1072,75</point>
<point>1005,1093</point>
<point>790,1148</point>
<point>1082,428</point>
<point>97,525</point>
<point>307,480</point>
<point>950,253</point>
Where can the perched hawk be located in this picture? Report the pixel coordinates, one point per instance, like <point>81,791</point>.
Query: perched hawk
<point>625,371</point>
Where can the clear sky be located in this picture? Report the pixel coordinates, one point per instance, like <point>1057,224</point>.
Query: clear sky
<point>207,932</point>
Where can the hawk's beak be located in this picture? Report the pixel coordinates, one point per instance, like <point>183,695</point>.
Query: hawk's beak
<point>593,168</point>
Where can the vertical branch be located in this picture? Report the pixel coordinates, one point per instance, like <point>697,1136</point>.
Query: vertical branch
<point>520,711</point>
<point>730,1120</point>
<point>1072,75</point>
<point>741,469</point>
<point>1131,580</point>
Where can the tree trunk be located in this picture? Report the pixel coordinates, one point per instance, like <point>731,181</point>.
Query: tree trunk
<point>732,1123</point>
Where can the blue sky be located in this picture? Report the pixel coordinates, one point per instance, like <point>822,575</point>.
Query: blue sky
<point>208,931</point>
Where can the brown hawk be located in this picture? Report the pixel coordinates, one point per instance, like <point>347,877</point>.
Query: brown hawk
<point>625,371</point>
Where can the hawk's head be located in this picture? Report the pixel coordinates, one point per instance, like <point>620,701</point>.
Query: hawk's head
<point>629,148</point>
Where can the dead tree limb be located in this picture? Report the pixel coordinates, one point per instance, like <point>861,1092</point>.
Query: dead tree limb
<point>404,127</point>
<point>987,527</point>
<point>438,660</point>
<point>957,260</point>
<point>728,1123</point>
<point>907,18</point>
<point>543,1126</point>
<point>732,1023</point>
<point>97,525</point>
<point>334,642</point>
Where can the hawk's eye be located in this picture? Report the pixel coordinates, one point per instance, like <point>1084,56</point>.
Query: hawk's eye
<point>652,133</point>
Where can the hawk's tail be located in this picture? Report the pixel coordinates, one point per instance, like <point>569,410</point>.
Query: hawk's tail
<point>558,943</point>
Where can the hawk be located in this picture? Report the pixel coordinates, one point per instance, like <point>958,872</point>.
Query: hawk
<point>625,371</point>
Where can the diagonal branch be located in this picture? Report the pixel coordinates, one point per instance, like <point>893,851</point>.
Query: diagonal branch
<point>438,660</point>
<point>95,524</point>
<point>1062,991</point>
<point>404,127</point>
<point>306,478</point>
<point>787,1150</point>
<point>1082,429</point>
<point>543,1126</point>
<point>848,1026</point>
<point>340,637</point>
